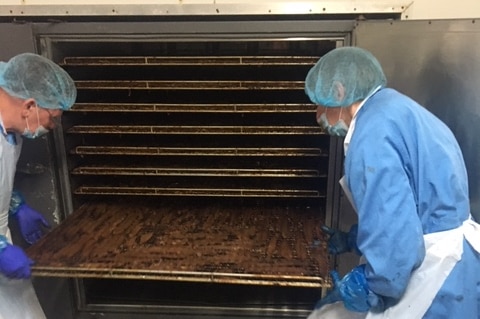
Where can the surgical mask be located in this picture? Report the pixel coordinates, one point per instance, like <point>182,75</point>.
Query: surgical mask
<point>41,130</point>
<point>338,129</point>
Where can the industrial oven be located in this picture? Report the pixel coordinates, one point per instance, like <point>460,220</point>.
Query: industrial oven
<point>191,179</point>
<point>194,173</point>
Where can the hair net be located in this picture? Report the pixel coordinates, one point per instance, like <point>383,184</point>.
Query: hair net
<point>343,76</point>
<point>29,75</point>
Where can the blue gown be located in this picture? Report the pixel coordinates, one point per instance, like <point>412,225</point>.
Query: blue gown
<point>407,177</point>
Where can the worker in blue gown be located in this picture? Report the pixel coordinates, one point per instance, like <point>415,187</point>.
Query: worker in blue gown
<point>407,181</point>
<point>34,92</point>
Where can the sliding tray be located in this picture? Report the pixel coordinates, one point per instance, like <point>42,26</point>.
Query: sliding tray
<point>235,245</point>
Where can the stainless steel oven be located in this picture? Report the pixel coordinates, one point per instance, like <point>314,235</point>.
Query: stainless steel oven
<point>192,173</point>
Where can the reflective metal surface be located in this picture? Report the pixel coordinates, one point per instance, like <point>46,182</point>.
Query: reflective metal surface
<point>438,64</point>
<point>206,8</point>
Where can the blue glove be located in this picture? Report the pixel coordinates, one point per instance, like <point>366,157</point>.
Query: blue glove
<point>14,263</point>
<point>30,223</point>
<point>355,293</point>
<point>341,242</point>
<point>333,296</point>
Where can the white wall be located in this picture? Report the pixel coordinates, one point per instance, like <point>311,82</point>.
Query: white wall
<point>442,9</point>
<point>411,9</point>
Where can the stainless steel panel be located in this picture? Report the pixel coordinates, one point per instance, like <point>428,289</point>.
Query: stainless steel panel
<point>438,64</point>
<point>15,38</point>
<point>390,7</point>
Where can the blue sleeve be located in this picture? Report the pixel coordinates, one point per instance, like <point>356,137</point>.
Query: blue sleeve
<point>390,235</point>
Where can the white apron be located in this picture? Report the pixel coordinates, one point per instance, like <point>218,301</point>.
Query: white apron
<point>443,251</point>
<point>17,297</point>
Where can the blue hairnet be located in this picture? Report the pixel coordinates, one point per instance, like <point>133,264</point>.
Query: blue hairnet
<point>29,75</point>
<point>344,76</point>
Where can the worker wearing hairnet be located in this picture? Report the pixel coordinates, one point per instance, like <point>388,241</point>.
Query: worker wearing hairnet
<point>406,178</point>
<point>34,92</point>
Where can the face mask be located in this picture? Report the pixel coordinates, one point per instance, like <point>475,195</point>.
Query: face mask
<point>338,129</point>
<point>38,132</point>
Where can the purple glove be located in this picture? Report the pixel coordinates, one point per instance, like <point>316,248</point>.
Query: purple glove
<point>14,263</point>
<point>30,222</point>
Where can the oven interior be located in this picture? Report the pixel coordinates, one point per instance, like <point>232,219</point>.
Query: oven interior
<point>195,175</point>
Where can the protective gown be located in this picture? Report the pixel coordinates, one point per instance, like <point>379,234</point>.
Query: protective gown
<point>407,177</point>
<point>17,297</point>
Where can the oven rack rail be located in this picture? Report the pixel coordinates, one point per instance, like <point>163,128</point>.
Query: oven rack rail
<point>197,107</point>
<point>208,192</point>
<point>188,85</point>
<point>217,172</point>
<point>187,129</point>
<point>202,277</point>
<point>190,60</point>
<point>203,151</point>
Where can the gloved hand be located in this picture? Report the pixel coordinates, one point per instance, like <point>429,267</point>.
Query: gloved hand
<point>14,263</point>
<point>340,242</point>
<point>30,223</point>
<point>333,296</point>
<point>29,220</point>
<point>355,293</point>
